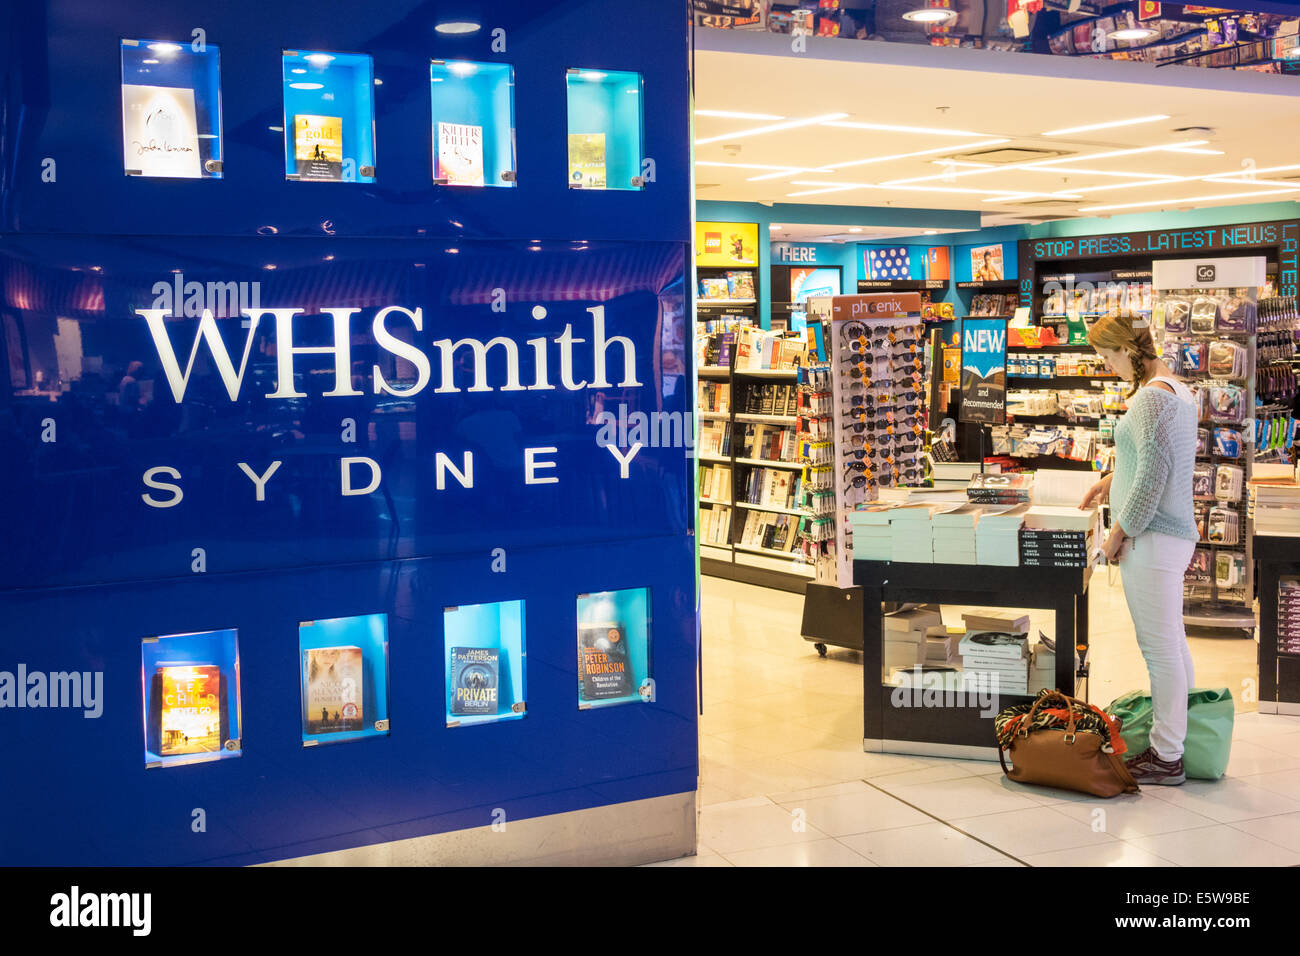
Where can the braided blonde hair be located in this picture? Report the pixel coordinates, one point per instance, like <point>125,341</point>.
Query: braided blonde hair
<point>1127,333</point>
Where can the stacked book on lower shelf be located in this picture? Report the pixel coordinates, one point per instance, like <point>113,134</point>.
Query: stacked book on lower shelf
<point>1275,500</point>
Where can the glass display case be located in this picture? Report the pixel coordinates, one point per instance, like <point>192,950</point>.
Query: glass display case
<point>614,648</point>
<point>329,116</point>
<point>191,697</point>
<point>344,678</point>
<point>485,654</point>
<point>473,123</point>
<point>605,129</point>
<point>171,110</point>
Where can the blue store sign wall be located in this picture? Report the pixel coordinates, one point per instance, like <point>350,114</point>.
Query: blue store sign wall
<point>392,405</point>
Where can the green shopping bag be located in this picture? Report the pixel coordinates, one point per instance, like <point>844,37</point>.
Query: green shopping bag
<point>1209,728</point>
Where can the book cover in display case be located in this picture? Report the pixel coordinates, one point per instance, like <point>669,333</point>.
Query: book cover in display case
<point>587,160</point>
<point>460,154</point>
<point>160,131</point>
<point>475,676</point>
<point>318,146</point>
<point>188,709</point>
<point>603,665</point>
<point>334,697</point>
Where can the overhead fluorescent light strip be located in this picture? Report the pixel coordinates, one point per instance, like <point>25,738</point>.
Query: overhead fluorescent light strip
<point>920,152</point>
<point>773,128</point>
<point>888,187</point>
<point>1112,124</point>
<point>1189,200</point>
<point>732,114</point>
<point>887,128</point>
<point>1040,163</point>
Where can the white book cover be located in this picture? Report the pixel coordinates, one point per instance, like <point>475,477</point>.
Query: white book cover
<point>160,131</point>
<point>460,154</point>
<point>1051,518</point>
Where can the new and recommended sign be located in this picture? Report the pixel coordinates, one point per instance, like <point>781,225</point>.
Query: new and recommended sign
<point>984,371</point>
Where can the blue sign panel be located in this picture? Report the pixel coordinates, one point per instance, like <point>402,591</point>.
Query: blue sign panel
<point>239,409</point>
<point>984,370</point>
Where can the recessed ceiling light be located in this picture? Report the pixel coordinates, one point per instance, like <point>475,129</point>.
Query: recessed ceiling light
<point>774,227</point>
<point>165,47</point>
<point>716,162</point>
<point>458,27</point>
<point>297,69</point>
<point>1196,151</point>
<point>930,15</point>
<point>887,128</point>
<point>306,86</point>
<point>732,114</point>
<point>855,229</point>
<point>931,232</point>
<point>1129,34</point>
<point>149,61</point>
<point>461,68</point>
<point>592,75</point>
<point>1189,200</point>
<point>1110,124</point>
<point>319,59</point>
<point>775,127</point>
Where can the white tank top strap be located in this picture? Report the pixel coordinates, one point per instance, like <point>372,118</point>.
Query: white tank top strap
<point>1181,390</point>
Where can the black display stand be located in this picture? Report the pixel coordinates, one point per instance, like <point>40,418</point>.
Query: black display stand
<point>952,731</point>
<point>1279,674</point>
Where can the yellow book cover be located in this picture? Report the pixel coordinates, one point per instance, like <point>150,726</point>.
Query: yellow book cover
<point>587,160</point>
<point>333,689</point>
<point>318,146</point>
<point>191,709</point>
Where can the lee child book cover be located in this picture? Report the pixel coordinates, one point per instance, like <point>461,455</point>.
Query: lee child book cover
<point>475,679</point>
<point>333,691</point>
<point>603,666</point>
<point>188,709</point>
<point>587,160</point>
<point>318,146</point>
<point>460,154</point>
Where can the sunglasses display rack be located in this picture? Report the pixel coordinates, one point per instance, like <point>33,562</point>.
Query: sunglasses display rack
<point>1210,343</point>
<point>878,376</point>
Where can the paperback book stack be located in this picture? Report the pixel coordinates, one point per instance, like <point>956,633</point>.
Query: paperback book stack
<point>941,645</point>
<point>871,536</point>
<point>996,660</point>
<point>997,537</point>
<point>1008,489</point>
<point>954,534</point>
<point>1042,665</point>
<point>1277,501</point>
<point>1288,616</point>
<point>1057,537</point>
<point>905,643</point>
<point>911,532</point>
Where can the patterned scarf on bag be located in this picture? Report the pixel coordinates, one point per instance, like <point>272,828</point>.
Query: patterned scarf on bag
<point>1087,719</point>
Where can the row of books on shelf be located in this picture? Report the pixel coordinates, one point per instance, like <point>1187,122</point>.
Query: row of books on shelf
<point>773,487</point>
<point>750,348</point>
<point>733,285</point>
<point>715,482</point>
<point>715,524</point>
<point>772,398</point>
<point>775,532</point>
<point>714,397</point>
<point>975,534</point>
<point>715,438</point>
<point>990,651</point>
<point>768,442</point>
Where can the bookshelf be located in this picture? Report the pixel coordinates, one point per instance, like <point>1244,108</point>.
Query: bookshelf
<point>750,518</point>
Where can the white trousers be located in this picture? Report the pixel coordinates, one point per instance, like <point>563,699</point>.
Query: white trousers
<point>1152,572</point>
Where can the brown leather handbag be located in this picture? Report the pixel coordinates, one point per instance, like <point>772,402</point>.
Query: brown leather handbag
<point>1068,758</point>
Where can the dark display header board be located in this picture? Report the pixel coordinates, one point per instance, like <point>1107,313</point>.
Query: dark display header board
<point>1283,235</point>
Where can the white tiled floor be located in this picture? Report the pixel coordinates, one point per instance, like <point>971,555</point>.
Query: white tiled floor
<point>784,780</point>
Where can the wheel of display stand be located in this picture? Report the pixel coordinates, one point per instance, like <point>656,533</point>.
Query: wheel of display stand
<point>821,649</point>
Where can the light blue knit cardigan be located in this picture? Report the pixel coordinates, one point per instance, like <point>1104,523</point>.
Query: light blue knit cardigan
<point>1155,454</point>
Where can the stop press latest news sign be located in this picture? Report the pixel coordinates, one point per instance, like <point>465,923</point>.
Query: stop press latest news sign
<point>872,306</point>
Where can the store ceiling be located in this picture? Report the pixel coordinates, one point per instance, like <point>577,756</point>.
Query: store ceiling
<point>1249,153</point>
<point>801,232</point>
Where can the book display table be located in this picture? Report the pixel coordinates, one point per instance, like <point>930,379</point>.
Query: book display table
<point>1277,556</point>
<point>953,724</point>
